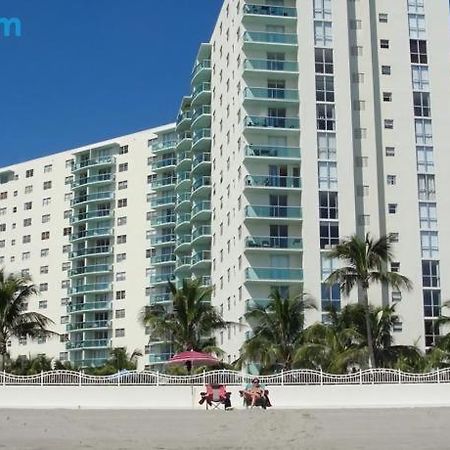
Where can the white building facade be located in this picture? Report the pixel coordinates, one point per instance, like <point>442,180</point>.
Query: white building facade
<point>307,121</point>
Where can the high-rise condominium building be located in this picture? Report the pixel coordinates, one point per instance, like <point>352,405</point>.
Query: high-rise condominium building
<point>307,121</point>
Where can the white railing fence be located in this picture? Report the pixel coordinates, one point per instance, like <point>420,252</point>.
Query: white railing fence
<point>293,377</point>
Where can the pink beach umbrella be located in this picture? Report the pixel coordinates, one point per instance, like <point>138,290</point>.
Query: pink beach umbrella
<point>191,358</point>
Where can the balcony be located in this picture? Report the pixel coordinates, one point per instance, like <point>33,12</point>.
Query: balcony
<point>201,117</point>
<point>159,358</point>
<point>164,183</point>
<point>257,303</point>
<point>160,260</point>
<point>90,163</point>
<point>92,269</point>
<point>183,243</point>
<point>88,288</point>
<point>159,147</point>
<point>167,239</point>
<point>201,186</point>
<point>201,211</point>
<point>183,120</point>
<point>183,161</point>
<point>183,264</point>
<point>271,274</point>
<point>159,202</point>
<point>89,234</point>
<point>272,153</point>
<point>89,362</point>
<point>161,164</point>
<point>184,142</point>
<point>281,97</point>
<point>201,260</point>
<point>259,123</point>
<point>201,235</point>
<point>272,182</point>
<point>92,306</point>
<point>183,181</point>
<point>269,14</point>
<point>201,139</point>
<point>201,163</point>
<point>102,250</point>
<point>271,67</point>
<point>156,299</point>
<point>95,197</point>
<point>183,201</point>
<point>183,221</point>
<point>162,278</point>
<point>274,213</point>
<point>201,94</point>
<point>163,220</point>
<point>97,343</point>
<point>100,214</point>
<point>93,180</point>
<point>278,243</point>
<point>202,71</point>
<point>93,325</point>
<point>270,41</point>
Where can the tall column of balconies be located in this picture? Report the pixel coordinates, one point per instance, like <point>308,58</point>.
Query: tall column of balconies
<point>162,240</point>
<point>91,273</point>
<point>271,152</point>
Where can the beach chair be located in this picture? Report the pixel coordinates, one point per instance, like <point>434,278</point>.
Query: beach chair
<point>262,402</point>
<point>215,397</point>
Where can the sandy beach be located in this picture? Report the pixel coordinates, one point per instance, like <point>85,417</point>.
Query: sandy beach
<point>252,429</point>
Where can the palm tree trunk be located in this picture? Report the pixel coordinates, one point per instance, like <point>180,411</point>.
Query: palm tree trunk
<point>372,362</point>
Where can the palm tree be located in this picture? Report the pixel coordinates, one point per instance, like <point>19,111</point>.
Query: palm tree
<point>277,332</point>
<point>121,360</point>
<point>15,321</point>
<point>366,261</point>
<point>189,323</point>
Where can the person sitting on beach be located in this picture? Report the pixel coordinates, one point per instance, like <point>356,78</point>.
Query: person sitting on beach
<point>254,391</point>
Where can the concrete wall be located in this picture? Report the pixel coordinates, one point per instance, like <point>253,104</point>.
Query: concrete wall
<point>185,397</point>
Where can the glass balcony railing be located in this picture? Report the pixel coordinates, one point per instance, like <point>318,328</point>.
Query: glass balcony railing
<point>205,64</point>
<point>272,152</point>
<point>90,362</point>
<point>77,307</point>
<point>202,231</point>
<point>95,232</point>
<point>261,37</point>
<point>98,214</point>
<point>162,278</point>
<point>160,240</point>
<point>90,288</point>
<point>160,259</point>
<point>271,242</point>
<point>183,218</point>
<point>96,343</point>
<point>271,65</point>
<point>88,325</point>
<point>185,135</point>
<point>184,261</point>
<point>164,219</point>
<point>84,181</point>
<point>183,197</point>
<point>99,250</point>
<point>202,110</point>
<point>201,158</point>
<point>95,268</point>
<point>155,358</point>
<point>184,116</point>
<point>183,156</point>
<point>184,176</point>
<point>184,239</point>
<point>271,181</point>
<point>202,87</point>
<point>272,122</point>
<point>204,256</point>
<point>92,163</point>
<point>254,93</point>
<point>92,197</point>
<point>204,133</point>
<point>266,10</point>
<point>273,274</point>
<point>162,163</point>
<point>282,212</point>
<point>163,201</point>
<point>166,145</point>
<point>163,182</point>
<point>200,207</point>
<point>255,303</point>
<point>201,182</point>
<point>160,298</point>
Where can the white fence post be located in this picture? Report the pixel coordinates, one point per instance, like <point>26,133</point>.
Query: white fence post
<point>42,378</point>
<point>360,376</point>
<point>79,378</point>
<point>399,376</point>
<point>204,377</point>
<point>282,377</point>
<point>157,378</point>
<point>4,378</point>
<point>438,376</point>
<point>118,378</point>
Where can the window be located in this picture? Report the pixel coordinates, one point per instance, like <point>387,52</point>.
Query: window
<point>325,117</point>
<point>385,70</point>
<point>45,252</point>
<point>43,269</point>
<point>360,133</point>
<point>121,221</point>
<point>328,202</point>
<point>121,276</point>
<point>42,304</point>
<point>430,274</point>
<point>396,296</point>
<point>27,206</point>
<point>123,150</point>
<point>66,248</point>
<point>65,284</point>
<point>388,124</point>
<point>427,188</point>
<point>391,180</point>
<point>324,60</point>
<point>390,151</point>
<point>122,202</point>
<point>68,196</point>
<point>422,104</point>
<point>329,234</point>
<point>43,287</point>
<point>67,214</point>
<point>46,218</point>
<point>123,167</point>
<point>120,332</point>
<point>26,239</point>
<point>120,295</point>
<point>431,303</point>
<point>326,143</point>
<point>46,201</point>
<point>387,96</point>
<point>122,185</point>
<point>323,36</point>
<point>420,78</point>
<point>25,256</point>
<point>122,239</point>
<point>47,185</point>
<point>384,43</point>
<point>327,175</point>
<point>425,159</point>
<point>429,244</point>
<point>27,222</point>
<point>67,231</point>
<point>64,319</point>
<point>330,296</point>
<point>121,257</point>
<point>3,195</point>
<point>383,18</point>
<point>394,237</point>
<point>416,6</point>
<point>395,267</point>
<point>392,208</point>
<point>418,51</point>
<point>3,227</point>
<point>322,9</point>
<point>428,216</point>
<point>355,24</point>
<point>28,189</point>
<point>324,88</point>
<point>29,173</point>
<point>47,168</point>
<point>416,26</point>
<point>358,78</point>
<point>45,235</point>
<point>120,313</point>
<point>424,134</point>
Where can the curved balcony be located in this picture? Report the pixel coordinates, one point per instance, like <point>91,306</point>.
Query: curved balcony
<point>183,243</point>
<point>183,221</point>
<point>164,164</point>
<point>168,239</point>
<point>201,187</point>
<point>201,260</point>
<point>163,220</point>
<point>271,274</point>
<point>183,201</point>
<point>183,161</point>
<point>201,211</point>
<point>92,306</point>
<point>201,139</point>
<point>159,147</point>
<point>184,142</point>
<point>201,235</point>
<point>278,243</point>
<point>90,198</point>
<point>161,278</point>
<point>201,163</point>
<point>90,270</point>
<point>183,264</point>
<point>271,67</point>
<point>165,201</point>
<point>95,343</point>
<point>164,183</point>
<point>91,163</point>
<point>184,120</point>
<point>201,117</point>
<point>263,40</point>
<point>183,181</point>
<point>90,234</point>
<point>102,250</point>
<point>202,71</point>
<point>201,94</point>
<point>93,325</point>
<point>284,124</point>
<point>161,260</point>
<point>272,182</point>
<point>269,14</point>
<point>272,153</point>
<point>100,214</point>
<point>280,97</point>
<point>278,213</point>
<point>90,288</point>
<point>157,299</point>
<point>104,178</point>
